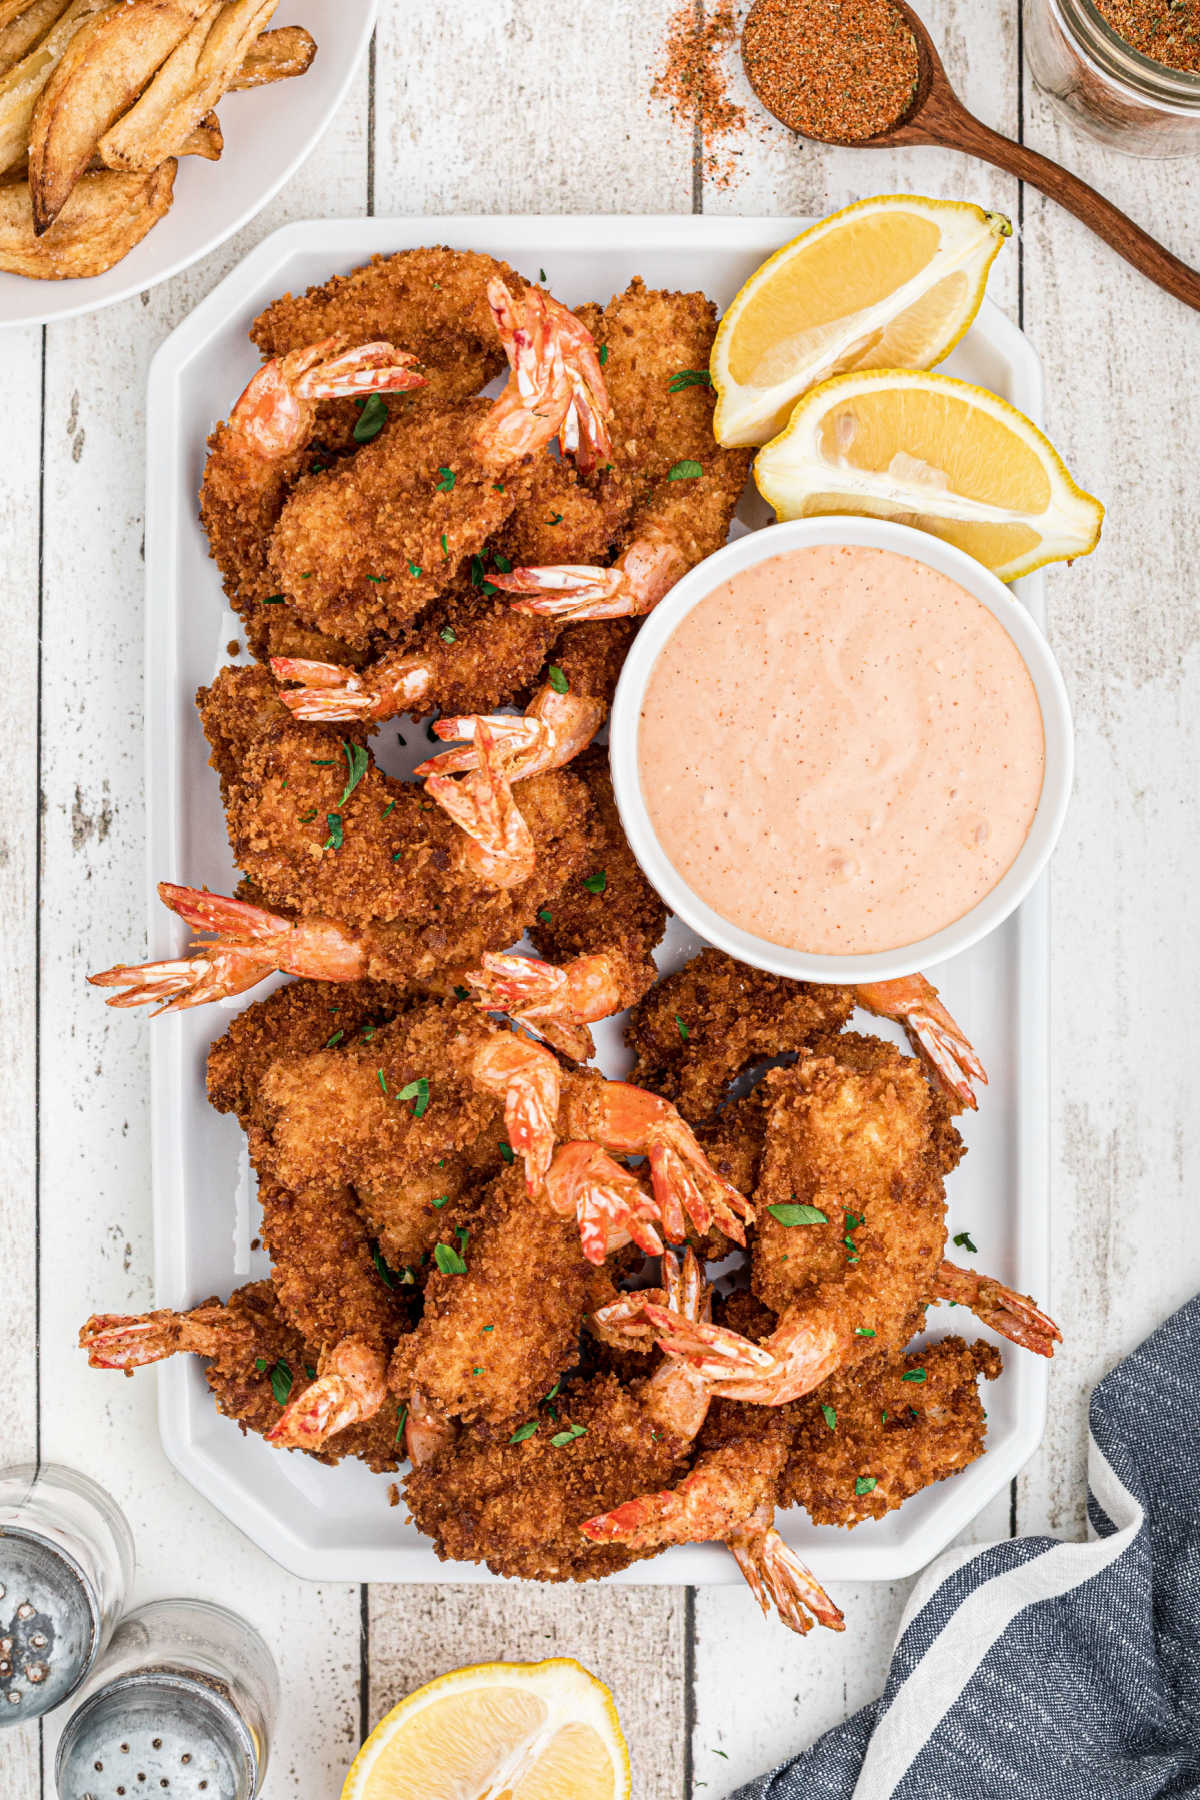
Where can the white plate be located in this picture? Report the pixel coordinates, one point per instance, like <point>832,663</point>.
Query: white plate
<point>268,133</point>
<point>336,1524</point>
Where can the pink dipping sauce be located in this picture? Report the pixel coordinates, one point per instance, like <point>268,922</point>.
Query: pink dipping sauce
<point>841,750</point>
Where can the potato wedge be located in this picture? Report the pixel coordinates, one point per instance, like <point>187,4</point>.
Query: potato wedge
<point>194,76</point>
<point>23,83</point>
<point>27,29</point>
<point>275,56</point>
<point>205,139</point>
<point>104,217</point>
<point>103,70</point>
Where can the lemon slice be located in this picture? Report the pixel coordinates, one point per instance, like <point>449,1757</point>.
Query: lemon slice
<point>887,283</point>
<point>940,454</point>
<point>498,1731</point>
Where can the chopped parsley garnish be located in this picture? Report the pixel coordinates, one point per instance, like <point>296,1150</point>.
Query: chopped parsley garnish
<point>418,1092</point>
<point>796,1213</point>
<point>830,1415</point>
<point>479,576</point>
<point>273,600</point>
<point>866,1484</point>
<point>557,678</point>
<point>368,1033</point>
<point>487,1328</point>
<point>963,1240</point>
<point>499,486</point>
<point>564,1437</point>
<point>555,519</point>
<point>308,817</point>
<point>335,1039</point>
<point>546,916</point>
<point>382,1082</point>
<point>602,356</point>
<point>863,1331</point>
<point>687,470</point>
<point>442,1200</point>
<point>596,884</point>
<point>321,762</point>
<point>378,578</point>
<point>541,274</point>
<point>506,1151</point>
<point>414,569</point>
<point>317,468</point>
<point>524,1431</point>
<point>401,1419</point>
<point>478,1369</point>
<point>281,1381</point>
<point>448,1260</point>
<point>461,993</point>
<point>447,479</point>
<point>502,563</point>
<point>381,1269</point>
<point>356,766</point>
<point>447,635</point>
<point>852,1221</point>
<point>687,378</point>
<point>445,548</point>
<point>335,839</point>
<point>260,1363</point>
<point>371,420</point>
<point>913,1375</point>
<point>684,1030</point>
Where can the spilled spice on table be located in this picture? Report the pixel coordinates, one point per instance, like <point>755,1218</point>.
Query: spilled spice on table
<point>693,84</point>
<point>841,69</point>
<point>1167,31</point>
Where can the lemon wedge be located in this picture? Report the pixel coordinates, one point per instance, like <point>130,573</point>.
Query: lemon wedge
<point>498,1731</point>
<point>891,282</point>
<point>940,454</point>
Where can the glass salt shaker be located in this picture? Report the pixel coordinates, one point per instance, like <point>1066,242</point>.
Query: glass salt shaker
<point>1101,82</point>
<point>182,1704</point>
<point>66,1567</point>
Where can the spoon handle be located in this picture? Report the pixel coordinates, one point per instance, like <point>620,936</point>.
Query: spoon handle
<point>958,129</point>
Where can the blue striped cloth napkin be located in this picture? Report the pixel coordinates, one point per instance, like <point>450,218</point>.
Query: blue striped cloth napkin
<point>1034,1667</point>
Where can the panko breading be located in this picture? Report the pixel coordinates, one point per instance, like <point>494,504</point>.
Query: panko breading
<point>298,1018</point>
<point>860,1136</point>
<point>430,301</point>
<point>899,1422</point>
<point>495,1337</point>
<point>694,1033</point>
<point>518,1507</point>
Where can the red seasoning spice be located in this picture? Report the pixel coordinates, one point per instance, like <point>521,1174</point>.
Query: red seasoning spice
<point>1167,31</point>
<point>831,69</point>
<point>692,82</point>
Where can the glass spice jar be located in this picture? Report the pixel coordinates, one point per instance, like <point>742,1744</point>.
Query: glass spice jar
<point>1102,83</point>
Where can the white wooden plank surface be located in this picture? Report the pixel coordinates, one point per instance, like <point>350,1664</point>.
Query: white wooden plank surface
<point>503,105</point>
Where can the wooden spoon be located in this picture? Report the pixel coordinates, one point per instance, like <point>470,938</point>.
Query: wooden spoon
<point>936,115</point>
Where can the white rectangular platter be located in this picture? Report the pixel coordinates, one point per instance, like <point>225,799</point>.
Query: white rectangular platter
<point>336,1524</point>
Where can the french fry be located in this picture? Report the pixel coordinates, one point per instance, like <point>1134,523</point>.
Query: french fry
<point>190,81</point>
<point>27,29</point>
<point>104,217</point>
<point>275,56</point>
<point>104,68</point>
<point>22,85</point>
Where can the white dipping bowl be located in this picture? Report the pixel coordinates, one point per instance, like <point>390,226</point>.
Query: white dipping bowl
<point>988,912</point>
